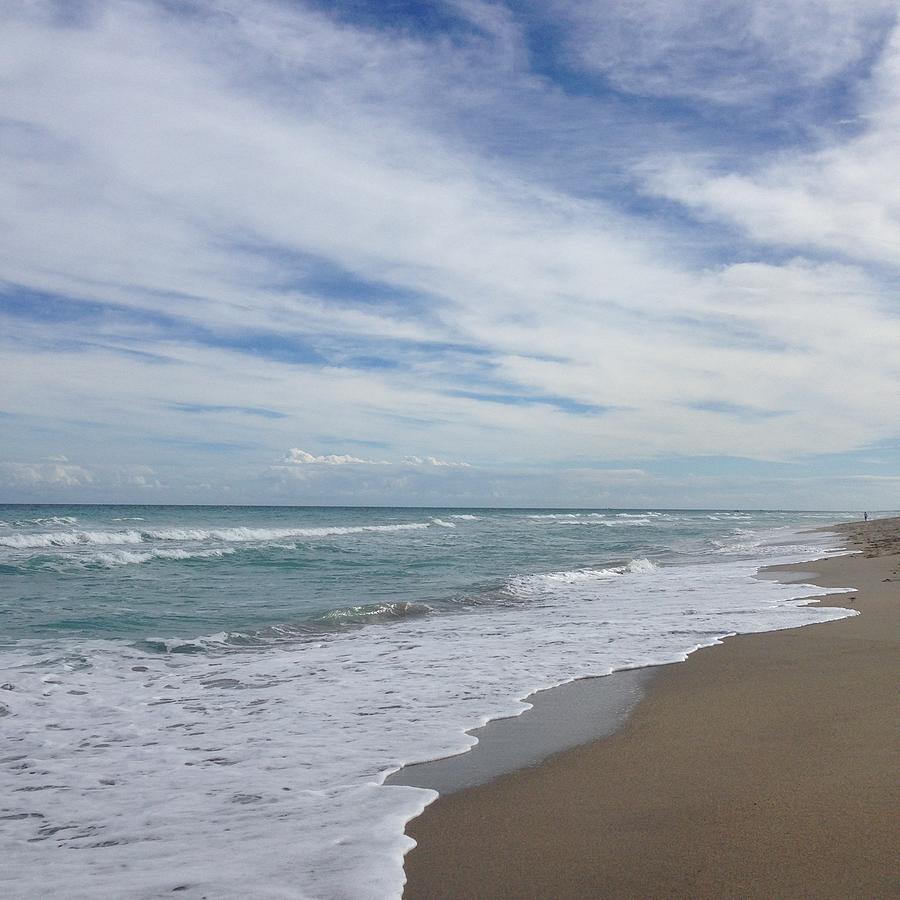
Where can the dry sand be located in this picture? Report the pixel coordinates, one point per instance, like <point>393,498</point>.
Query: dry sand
<point>765,767</point>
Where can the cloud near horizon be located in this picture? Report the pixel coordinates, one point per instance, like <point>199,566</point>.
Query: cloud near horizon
<point>550,240</point>
<point>296,456</point>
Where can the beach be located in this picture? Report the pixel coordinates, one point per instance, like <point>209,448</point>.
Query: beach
<point>183,739</point>
<point>764,766</point>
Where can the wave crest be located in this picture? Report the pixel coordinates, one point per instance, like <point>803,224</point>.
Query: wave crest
<point>69,539</point>
<point>113,558</point>
<point>528,585</point>
<point>237,534</point>
<point>289,632</point>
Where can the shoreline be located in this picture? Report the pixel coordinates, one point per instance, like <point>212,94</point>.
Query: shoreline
<point>730,777</point>
<point>559,718</point>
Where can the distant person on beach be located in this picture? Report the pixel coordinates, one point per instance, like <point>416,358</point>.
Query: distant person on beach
<point>865,517</point>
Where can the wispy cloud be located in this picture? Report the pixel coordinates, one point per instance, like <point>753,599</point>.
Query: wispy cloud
<point>835,200</point>
<point>724,51</point>
<point>457,236</point>
<point>63,476</point>
<point>296,456</point>
<point>201,408</point>
<point>44,475</point>
<point>434,461</point>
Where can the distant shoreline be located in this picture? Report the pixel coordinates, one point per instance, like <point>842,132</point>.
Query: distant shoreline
<point>760,767</point>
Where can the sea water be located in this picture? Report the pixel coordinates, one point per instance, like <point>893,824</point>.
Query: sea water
<point>206,700</point>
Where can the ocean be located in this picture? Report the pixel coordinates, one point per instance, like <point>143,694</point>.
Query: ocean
<point>206,700</point>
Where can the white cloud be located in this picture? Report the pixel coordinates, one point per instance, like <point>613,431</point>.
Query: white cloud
<point>296,456</point>
<point>841,198</point>
<point>43,475</point>
<point>434,461</point>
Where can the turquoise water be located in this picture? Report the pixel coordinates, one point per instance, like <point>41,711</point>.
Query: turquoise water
<point>144,572</point>
<point>208,699</point>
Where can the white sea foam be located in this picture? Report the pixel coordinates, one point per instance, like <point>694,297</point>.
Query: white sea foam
<point>530,584</point>
<point>242,534</point>
<point>619,520</point>
<point>46,520</point>
<point>577,519</point>
<point>466,517</point>
<point>241,773</point>
<point>236,534</point>
<point>591,523</point>
<point>442,523</point>
<point>551,516</point>
<point>112,558</point>
<point>69,539</point>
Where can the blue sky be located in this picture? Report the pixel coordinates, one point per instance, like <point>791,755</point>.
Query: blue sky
<point>458,253</point>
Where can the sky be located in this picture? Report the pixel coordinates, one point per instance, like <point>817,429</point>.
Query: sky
<point>563,253</point>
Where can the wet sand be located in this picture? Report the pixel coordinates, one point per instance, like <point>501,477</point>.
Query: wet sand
<point>560,718</point>
<point>764,767</point>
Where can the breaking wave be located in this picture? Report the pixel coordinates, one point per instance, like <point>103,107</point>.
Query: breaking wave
<point>114,558</point>
<point>531,584</point>
<point>290,632</point>
<point>69,539</point>
<point>242,534</point>
<point>518,589</point>
<point>554,516</point>
<point>608,520</point>
<point>236,535</point>
<point>46,520</point>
